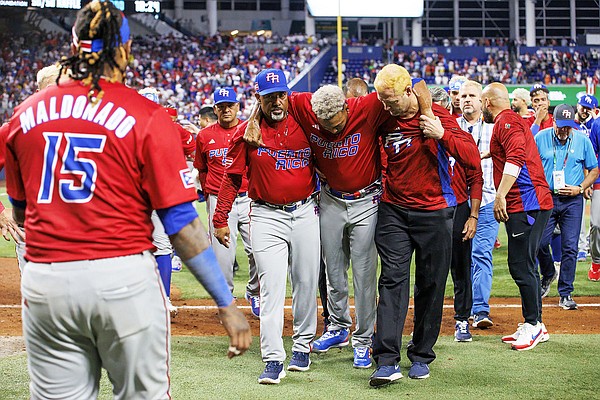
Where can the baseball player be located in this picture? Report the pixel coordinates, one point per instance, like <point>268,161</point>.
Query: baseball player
<point>523,202</point>
<point>47,76</point>
<point>85,166</point>
<point>284,222</point>
<point>415,216</point>
<point>211,152</point>
<point>160,239</point>
<point>346,149</point>
<point>453,88</point>
<point>541,104</point>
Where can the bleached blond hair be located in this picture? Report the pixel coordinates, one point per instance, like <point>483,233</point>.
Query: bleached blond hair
<point>392,76</point>
<point>522,94</point>
<point>47,76</point>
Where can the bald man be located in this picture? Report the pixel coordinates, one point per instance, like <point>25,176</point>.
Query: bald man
<point>523,202</point>
<point>356,87</point>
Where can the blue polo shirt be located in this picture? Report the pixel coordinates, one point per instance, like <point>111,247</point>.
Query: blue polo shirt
<point>572,157</point>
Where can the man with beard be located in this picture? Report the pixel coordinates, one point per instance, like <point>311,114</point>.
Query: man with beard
<point>586,113</point>
<point>521,102</point>
<point>284,222</point>
<point>523,202</point>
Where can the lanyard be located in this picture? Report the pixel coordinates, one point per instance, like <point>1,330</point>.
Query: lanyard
<point>478,124</point>
<point>554,140</point>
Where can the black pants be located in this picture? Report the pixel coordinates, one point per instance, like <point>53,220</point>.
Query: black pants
<point>400,233</point>
<point>461,265</point>
<point>524,232</point>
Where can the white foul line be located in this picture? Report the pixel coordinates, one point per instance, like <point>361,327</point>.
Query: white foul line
<point>446,306</point>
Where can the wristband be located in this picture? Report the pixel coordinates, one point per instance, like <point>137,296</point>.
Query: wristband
<point>474,217</point>
<point>206,269</point>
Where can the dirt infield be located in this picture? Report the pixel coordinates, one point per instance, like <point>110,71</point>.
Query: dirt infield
<point>202,321</point>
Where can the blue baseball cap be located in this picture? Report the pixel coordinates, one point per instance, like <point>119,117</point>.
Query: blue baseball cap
<point>225,95</point>
<point>538,86</point>
<point>270,81</point>
<point>564,115</point>
<point>589,101</point>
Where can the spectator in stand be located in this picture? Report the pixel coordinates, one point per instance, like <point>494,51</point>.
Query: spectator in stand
<point>521,102</point>
<point>541,104</point>
<point>566,154</point>
<point>453,88</point>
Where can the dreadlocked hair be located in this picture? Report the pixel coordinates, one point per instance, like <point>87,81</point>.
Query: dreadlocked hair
<point>97,20</point>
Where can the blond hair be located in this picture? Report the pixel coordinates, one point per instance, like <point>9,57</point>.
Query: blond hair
<point>394,77</point>
<point>473,84</point>
<point>522,94</point>
<point>47,76</point>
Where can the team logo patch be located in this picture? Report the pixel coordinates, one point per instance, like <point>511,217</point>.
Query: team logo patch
<point>506,126</point>
<point>227,161</point>
<point>187,178</point>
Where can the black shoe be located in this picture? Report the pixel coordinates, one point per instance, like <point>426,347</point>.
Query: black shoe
<point>546,282</point>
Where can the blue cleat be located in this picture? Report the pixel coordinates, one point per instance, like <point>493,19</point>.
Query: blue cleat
<point>331,339</point>
<point>299,362</point>
<point>362,357</point>
<point>272,374</point>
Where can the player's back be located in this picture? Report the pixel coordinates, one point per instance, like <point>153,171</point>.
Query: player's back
<point>89,172</point>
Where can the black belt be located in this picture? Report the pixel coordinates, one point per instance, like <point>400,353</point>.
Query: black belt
<point>290,207</point>
<point>373,187</point>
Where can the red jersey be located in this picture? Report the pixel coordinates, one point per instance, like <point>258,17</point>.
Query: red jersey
<point>549,123</point>
<point>512,142</point>
<point>91,174</point>
<point>349,160</point>
<point>282,172</point>
<point>211,151</point>
<point>418,168</point>
<point>187,140</point>
<point>467,183</point>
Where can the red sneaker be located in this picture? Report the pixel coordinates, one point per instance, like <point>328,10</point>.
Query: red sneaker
<point>594,272</point>
<point>497,244</point>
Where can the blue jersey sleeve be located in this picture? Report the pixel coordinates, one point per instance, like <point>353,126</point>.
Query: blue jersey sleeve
<point>176,217</point>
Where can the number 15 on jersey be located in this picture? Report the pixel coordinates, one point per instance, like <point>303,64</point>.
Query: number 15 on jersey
<point>70,190</point>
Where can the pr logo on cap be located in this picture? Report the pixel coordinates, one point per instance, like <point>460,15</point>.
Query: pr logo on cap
<point>224,92</point>
<point>566,114</point>
<point>272,77</point>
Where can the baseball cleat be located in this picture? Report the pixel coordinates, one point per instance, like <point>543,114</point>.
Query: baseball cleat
<point>594,272</point>
<point>331,339</point>
<point>362,357</point>
<point>272,374</point>
<point>299,362</point>
<point>172,309</point>
<point>254,304</point>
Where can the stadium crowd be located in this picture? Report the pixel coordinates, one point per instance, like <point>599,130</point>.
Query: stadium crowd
<point>547,65</point>
<point>184,70</point>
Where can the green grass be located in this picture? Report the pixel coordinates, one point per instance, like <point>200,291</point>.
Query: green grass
<point>484,369</point>
<point>503,284</point>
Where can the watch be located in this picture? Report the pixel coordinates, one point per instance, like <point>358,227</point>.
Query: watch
<point>580,189</point>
